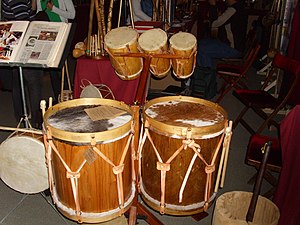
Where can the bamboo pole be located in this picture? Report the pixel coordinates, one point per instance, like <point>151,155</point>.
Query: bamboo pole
<point>110,10</point>
<point>100,18</point>
<point>120,11</point>
<point>90,28</point>
<point>131,13</point>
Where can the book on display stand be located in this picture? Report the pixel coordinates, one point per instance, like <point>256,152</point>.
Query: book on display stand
<point>33,44</point>
<point>36,44</point>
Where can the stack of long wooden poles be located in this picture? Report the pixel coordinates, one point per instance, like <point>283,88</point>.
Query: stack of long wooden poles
<point>95,42</point>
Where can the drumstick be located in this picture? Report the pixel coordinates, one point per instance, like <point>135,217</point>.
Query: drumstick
<point>219,170</point>
<point>228,129</point>
<point>21,130</point>
<point>43,106</point>
<point>50,102</point>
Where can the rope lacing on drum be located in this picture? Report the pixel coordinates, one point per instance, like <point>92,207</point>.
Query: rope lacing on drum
<point>117,169</point>
<point>164,167</point>
<point>72,175</point>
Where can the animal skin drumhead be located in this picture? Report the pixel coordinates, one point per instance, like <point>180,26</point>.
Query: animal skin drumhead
<point>22,164</point>
<point>90,91</point>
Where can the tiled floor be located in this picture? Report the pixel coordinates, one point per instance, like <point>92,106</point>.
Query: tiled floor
<point>36,209</point>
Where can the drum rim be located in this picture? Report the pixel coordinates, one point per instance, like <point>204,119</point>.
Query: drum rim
<point>131,76</point>
<point>101,136</point>
<point>117,47</point>
<point>181,131</point>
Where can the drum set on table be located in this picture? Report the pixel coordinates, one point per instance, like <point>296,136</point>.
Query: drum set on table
<point>100,154</point>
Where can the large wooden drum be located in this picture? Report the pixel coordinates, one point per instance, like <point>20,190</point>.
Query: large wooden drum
<point>184,45</point>
<point>180,154</point>
<point>155,41</point>
<point>124,40</point>
<point>89,158</point>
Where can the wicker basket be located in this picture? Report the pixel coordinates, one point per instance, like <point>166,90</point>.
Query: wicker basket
<point>231,209</point>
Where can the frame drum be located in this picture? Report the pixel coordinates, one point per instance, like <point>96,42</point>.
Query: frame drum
<point>90,167</point>
<point>185,45</point>
<point>179,153</point>
<point>22,163</point>
<point>124,40</point>
<point>154,41</point>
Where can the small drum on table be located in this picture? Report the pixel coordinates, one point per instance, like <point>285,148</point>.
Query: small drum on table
<point>124,40</point>
<point>180,152</point>
<point>183,44</point>
<point>88,149</point>
<point>22,162</point>
<point>154,41</point>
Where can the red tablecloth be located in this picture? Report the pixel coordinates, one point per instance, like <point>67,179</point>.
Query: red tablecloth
<point>101,72</point>
<point>287,196</point>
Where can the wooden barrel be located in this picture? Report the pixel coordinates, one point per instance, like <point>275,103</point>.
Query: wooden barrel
<point>95,155</point>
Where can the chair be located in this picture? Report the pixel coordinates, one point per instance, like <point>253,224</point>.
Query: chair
<point>255,155</point>
<point>258,100</point>
<point>234,73</point>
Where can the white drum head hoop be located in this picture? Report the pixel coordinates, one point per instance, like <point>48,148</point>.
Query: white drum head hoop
<point>23,165</point>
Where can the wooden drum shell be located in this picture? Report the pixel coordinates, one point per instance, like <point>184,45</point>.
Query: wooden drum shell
<point>168,139</point>
<point>179,46</point>
<point>97,184</point>
<point>155,41</point>
<point>127,68</point>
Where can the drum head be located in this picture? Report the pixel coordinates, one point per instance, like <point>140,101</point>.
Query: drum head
<point>90,91</point>
<point>120,37</point>
<point>23,165</point>
<point>152,40</point>
<point>183,41</point>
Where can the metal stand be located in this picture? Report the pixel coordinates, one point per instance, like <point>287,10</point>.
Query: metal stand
<point>23,97</point>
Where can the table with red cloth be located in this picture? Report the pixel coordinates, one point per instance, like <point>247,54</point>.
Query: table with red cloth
<point>100,71</point>
<point>287,196</point>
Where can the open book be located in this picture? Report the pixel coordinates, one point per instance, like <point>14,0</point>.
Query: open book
<point>39,43</point>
